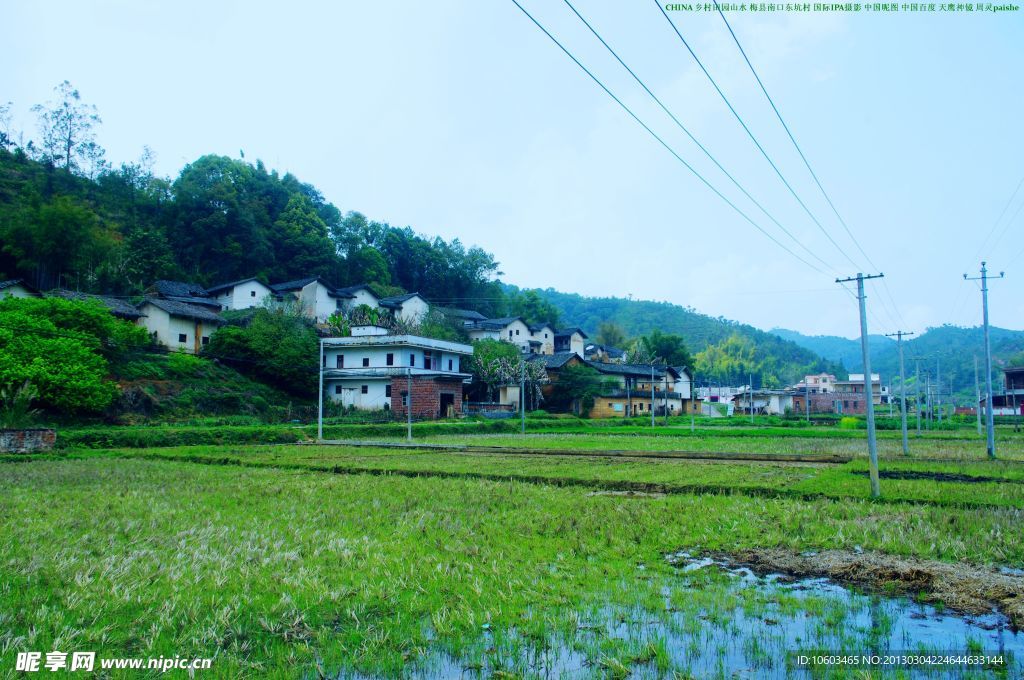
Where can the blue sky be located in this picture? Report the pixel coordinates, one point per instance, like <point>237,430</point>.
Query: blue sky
<point>463,120</point>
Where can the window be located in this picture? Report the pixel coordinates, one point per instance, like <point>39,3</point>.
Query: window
<point>341,361</point>
<point>412,359</point>
<point>252,293</point>
<point>366,363</point>
<point>387,391</point>
<point>517,331</point>
<point>405,399</point>
<point>449,364</point>
<point>428,359</point>
<point>846,403</point>
<point>206,340</point>
<point>545,336</point>
<point>510,332</point>
<point>337,389</point>
<point>364,389</point>
<point>182,337</point>
<point>855,403</point>
<point>390,359</point>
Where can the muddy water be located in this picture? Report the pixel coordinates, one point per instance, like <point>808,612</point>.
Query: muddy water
<point>721,620</point>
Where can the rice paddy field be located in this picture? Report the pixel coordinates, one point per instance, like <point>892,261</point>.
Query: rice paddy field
<point>552,554</point>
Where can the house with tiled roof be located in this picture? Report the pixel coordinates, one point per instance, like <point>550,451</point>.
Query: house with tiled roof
<point>410,308</point>
<point>642,389</point>
<point>508,328</point>
<point>571,340</point>
<point>178,325</point>
<point>243,294</point>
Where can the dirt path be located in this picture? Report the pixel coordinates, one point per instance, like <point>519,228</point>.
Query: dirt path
<point>962,587</point>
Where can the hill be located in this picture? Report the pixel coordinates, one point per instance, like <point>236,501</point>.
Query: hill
<point>953,346</point>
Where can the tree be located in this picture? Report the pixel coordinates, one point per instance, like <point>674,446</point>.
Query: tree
<point>533,308</point>
<point>63,348</point>
<point>576,389</point>
<point>667,348</point>
<point>493,364</point>
<point>67,129</point>
<point>278,346</point>
<point>304,248</point>
<point>610,334</point>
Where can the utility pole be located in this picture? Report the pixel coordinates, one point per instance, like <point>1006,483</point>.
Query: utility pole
<point>929,413</point>
<point>750,398</point>
<point>938,390</point>
<point>903,390</point>
<point>320,400</point>
<point>408,404</point>
<point>807,399</point>
<point>652,395</point>
<point>869,402</point>
<point>522,398</point>
<point>989,416</point>
<point>917,393</point>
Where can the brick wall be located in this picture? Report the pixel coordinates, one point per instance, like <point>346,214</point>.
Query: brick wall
<point>852,403</point>
<point>27,441</point>
<point>426,396</point>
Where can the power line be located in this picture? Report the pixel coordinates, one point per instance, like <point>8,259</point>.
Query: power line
<point>691,136</point>
<point>807,163</point>
<point>753,138</point>
<point>995,224</point>
<point>662,141</point>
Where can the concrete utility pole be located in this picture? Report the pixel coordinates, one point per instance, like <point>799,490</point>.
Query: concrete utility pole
<point>903,391</point>
<point>408,404</point>
<point>989,416</point>
<point>869,402</point>
<point>807,399</point>
<point>750,397</point>
<point>652,395</point>
<point>938,390</point>
<point>917,393</point>
<point>522,398</point>
<point>320,401</point>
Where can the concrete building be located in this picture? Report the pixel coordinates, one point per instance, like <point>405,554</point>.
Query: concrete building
<point>764,402</point>
<point>855,385</point>
<point>571,340</point>
<point>373,371</point>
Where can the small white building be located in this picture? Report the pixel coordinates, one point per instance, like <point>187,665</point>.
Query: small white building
<point>243,294</point>
<point>314,297</point>
<point>764,402</point>
<point>542,339</point>
<point>17,288</point>
<point>410,308</point>
<point>371,371</point>
<point>354,296</point>
<point>571,340</point>
<point>178,325</point>
<point>510,329</point>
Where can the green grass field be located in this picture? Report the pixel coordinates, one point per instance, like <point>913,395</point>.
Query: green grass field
<point>296,560</point>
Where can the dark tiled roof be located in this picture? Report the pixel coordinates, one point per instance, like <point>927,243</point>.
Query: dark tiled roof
<point>349,291</point>
<point>570,331</point>
<point>178,289</point>
<point>293,285</point>
<point>465,314</point>
<point>183,309</point>
<point>556,360</point>
<point>492,324</point>
<point>613,352</point>
<point>538,326</point>
<point>637,370</point>
<point>117,306</point>
<point>396,301</point>
<point>18,282</point>
<point>205,301</point>
<point>224,286</point>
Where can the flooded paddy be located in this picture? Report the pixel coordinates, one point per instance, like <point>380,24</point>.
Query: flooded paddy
<point>717,618</point>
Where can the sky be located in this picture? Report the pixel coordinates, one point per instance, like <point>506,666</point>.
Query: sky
<point>464,120</point>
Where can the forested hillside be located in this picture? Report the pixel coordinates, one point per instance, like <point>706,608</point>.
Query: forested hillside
<point>954,348</point>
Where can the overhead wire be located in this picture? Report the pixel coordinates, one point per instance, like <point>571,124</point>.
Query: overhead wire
<point>753,138</point>
<point>693,138</point>
<point>662,142</point>
<point>807,164</point>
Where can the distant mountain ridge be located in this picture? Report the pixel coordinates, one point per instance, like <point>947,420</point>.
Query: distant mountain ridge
<point>953,347</point>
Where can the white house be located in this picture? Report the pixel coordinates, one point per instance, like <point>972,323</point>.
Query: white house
<point>354,296</point>
<point>410,308</point>
<point>370,371</point>
<point>510,329</point>
<point>764,402</point>
<point>17,288</point>
<point>314,297</point>
<point>542,337</point>
<point>571,340</point>
<point>242,294</point>
<point>178,325</point>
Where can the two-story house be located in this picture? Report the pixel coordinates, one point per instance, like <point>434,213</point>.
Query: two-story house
<point>243,294</point>
<point>371,370</point>
<point>571,340</point>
